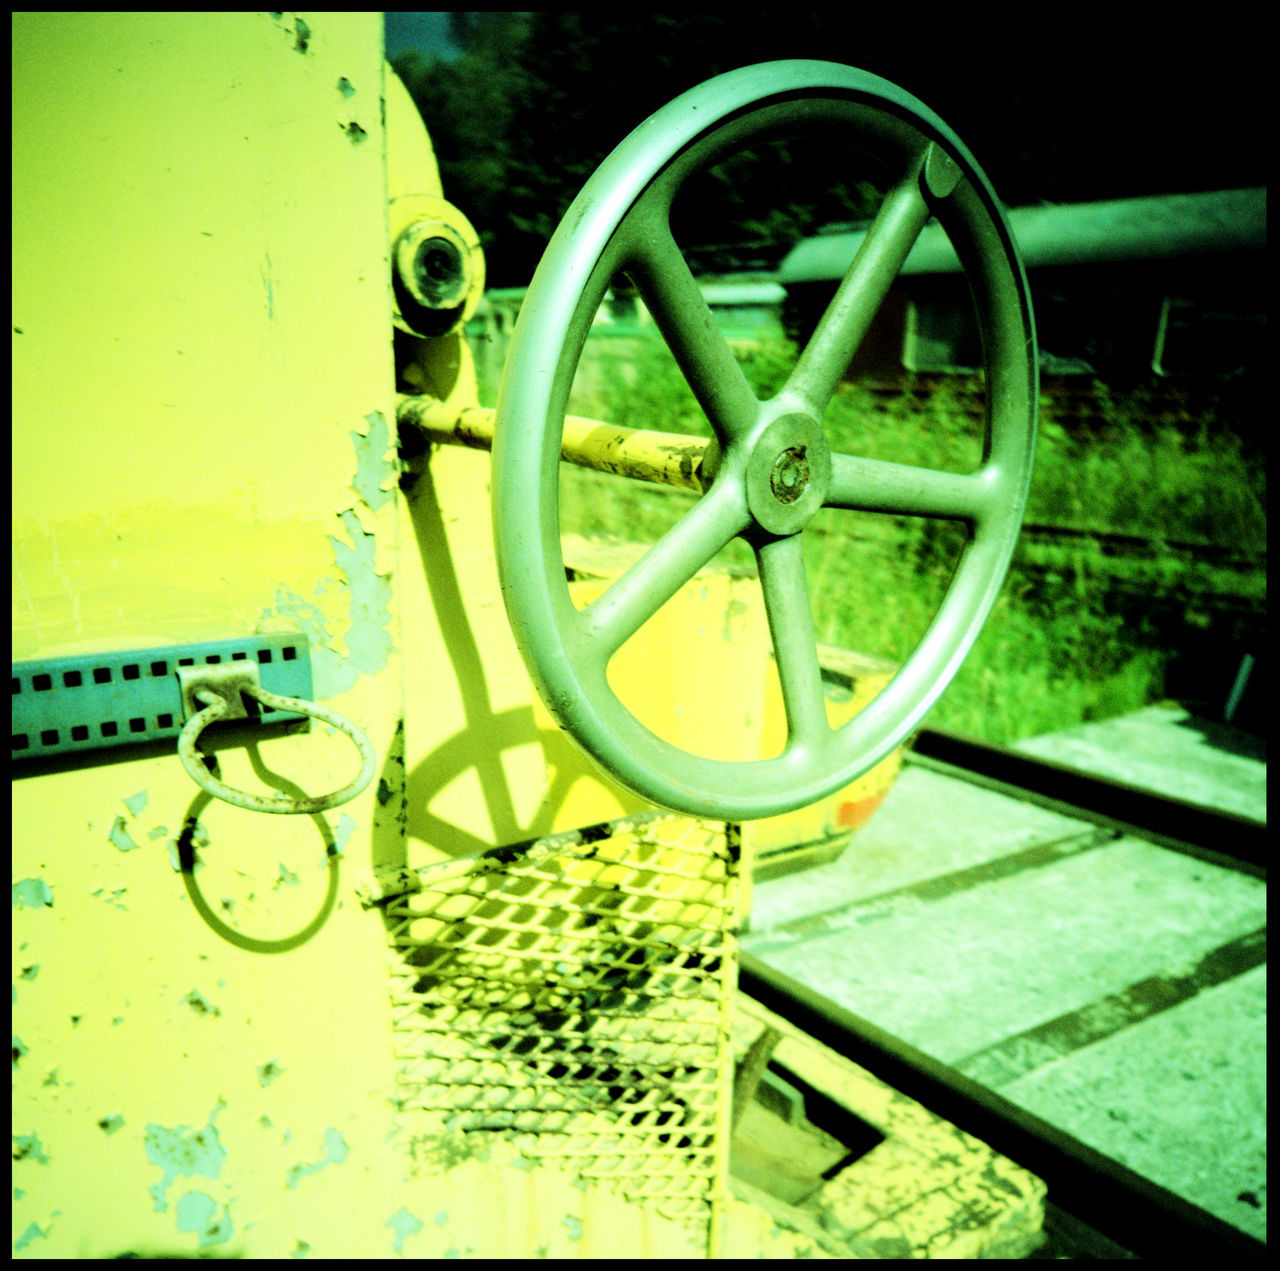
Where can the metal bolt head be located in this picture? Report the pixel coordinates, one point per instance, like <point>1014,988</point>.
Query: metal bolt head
<point>788,471</point>
<point>790,475</point>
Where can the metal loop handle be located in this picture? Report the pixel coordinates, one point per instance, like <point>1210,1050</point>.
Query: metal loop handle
<point>217,707</point>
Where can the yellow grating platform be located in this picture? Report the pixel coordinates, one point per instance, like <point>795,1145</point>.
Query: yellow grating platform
<point>573,996</point>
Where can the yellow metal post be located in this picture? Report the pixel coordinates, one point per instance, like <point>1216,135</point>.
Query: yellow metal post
<point>205,449</point>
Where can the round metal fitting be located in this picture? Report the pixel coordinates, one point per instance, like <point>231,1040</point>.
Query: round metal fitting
<point>620,222</point>
<point>432,266</point>
<point>437,267</point>
<point>788,473</point>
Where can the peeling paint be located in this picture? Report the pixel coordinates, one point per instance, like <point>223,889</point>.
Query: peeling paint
<point>19,1049</point>
<point>368,639</point>
<point>268,1072</point>
<point>112,898</point>
<point>31,1233</point>
<point>201,1004</point>
<point>27,1147</point>
<point>196,1212</point>
<point>120,836</point>
<point>136,802</point>
<point>341,836</point>
<point>373,465</point>
<point>32,892</point>
<point>111,1123</point>
<point>404,1224</point>
<point>345,86</point>
<point>328,671</point>
<point>573,1225</point>
<point>178,1152</point>
<point>336,1151</point>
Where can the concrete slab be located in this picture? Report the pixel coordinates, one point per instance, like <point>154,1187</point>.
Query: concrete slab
<point>1182,1100</point>
<point>1108,985</point>
<point>1168,751</point>
<point>955,975</point>
<point>928,825</point>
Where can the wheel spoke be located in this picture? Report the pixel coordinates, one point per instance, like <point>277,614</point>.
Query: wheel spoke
<point>875,485</point>
<point>826,357</point>
<point>613,618</point>
<point>795,644</point>
<point>660,271</point>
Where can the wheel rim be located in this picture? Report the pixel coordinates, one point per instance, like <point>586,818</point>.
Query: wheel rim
<point>775,472</point>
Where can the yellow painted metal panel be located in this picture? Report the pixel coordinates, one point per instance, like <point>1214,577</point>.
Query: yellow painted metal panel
<point>200,1015</point>
<point>204,1051</point>
<point>926,1190</point>
<point>209,1028</point>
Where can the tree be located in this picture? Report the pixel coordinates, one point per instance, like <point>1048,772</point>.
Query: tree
<point>537,100</point>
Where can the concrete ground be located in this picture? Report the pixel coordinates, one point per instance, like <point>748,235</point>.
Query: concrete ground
<point>1112,987</point>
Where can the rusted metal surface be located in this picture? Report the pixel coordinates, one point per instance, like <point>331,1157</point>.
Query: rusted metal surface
<point>223,698</point>
<point>904,1183</point>
<point>751,1069</point>
<point>640,453</point>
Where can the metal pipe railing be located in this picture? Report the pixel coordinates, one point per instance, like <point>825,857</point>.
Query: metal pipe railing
<point>644,455</point>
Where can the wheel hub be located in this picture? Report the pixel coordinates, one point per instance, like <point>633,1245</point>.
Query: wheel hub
<point>788,473</point>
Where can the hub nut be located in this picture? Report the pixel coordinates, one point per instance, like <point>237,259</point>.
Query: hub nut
<point>790,475</point>
<point>787,473</point>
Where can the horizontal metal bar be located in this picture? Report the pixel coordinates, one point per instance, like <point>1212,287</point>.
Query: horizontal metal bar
<point>1139,1215</point>
<point>1174,821</point>
<point>644,455</point>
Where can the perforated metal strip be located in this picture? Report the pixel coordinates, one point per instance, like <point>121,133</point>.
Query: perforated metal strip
<point>88,701</point>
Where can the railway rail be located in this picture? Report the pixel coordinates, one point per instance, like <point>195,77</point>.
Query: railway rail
<point>1110,542</point>
<point>1097,1206</point>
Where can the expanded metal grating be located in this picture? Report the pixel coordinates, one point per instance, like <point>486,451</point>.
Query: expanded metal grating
<point>576,1000</point>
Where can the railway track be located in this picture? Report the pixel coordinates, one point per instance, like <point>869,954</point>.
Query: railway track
<point>1219,577</point>
<point>1020,946</point>
<point>1119,543</point>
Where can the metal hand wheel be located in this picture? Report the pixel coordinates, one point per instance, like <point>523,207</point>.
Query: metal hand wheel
<point>775,467</point>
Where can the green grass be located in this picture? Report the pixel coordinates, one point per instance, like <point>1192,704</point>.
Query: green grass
<point>1075,635</point>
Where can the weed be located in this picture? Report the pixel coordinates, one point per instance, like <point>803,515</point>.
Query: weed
<point>1078,632</point>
